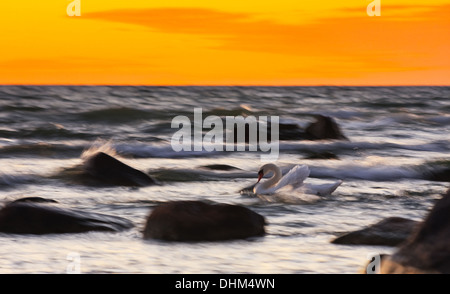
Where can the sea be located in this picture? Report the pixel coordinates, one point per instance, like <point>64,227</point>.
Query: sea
<point>396,137</point>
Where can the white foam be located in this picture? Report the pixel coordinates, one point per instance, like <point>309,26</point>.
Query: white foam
<point>159,151</point>
<point>436,146</point>
<point>373,173</point>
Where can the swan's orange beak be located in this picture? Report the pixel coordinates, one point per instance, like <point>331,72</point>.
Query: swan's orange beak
<point>260,175</point>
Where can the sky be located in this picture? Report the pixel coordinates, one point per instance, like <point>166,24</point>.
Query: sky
<point>233,42</point>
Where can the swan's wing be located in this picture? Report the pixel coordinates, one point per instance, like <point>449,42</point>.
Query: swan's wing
<point>259,189</point>
<point>321,189</point>
<point>294,177</point>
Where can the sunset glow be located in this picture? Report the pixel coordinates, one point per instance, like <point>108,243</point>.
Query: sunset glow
<point>140,42</point>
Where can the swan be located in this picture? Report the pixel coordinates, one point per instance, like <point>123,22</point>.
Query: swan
<point>294,178</point>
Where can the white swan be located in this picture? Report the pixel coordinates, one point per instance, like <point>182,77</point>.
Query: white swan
<point>294,178</point>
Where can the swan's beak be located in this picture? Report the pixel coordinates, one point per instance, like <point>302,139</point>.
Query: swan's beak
<point>260,175</point>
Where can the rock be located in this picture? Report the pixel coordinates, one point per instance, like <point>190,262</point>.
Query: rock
<point>291,132</point>
<point>321,155</point>
<point>23,217</point>
<point>439,175</point>
<point>35,200</point>
<point>427,250</point>
<point>391,231</point>
<point>222,167</point>
<point>324,128</point>
<point>200,221</point>
<point>108,170</point>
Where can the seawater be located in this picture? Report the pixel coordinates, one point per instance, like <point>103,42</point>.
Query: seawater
<point>396,136</point>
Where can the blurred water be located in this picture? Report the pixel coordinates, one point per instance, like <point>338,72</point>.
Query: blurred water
<point>396,135</point>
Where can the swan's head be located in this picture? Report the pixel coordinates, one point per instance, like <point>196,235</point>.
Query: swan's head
<point>266,169</point>
<point>260,175</point>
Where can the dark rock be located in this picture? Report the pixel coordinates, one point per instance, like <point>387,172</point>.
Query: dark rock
<point>29,218</point>
<point>391,231</point>
<point>35,200</point>
<point>439,175</point>
<point>108,170</point>
<point>324,128</point>
<point>321,155</point>
<point>286,131</point>
<point>224,167</point>
<point>291,132</point>
<point>428,249</point>
<point>200,221</point>
<point>175,175</point>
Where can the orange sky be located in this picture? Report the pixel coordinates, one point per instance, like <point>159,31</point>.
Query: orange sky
<point>198,42</point>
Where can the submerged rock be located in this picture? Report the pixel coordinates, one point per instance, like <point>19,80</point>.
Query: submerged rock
<point>321,155</point>
<point>200,221</point>
<point>222,167</point>
<point>391,231</point>
<point>35,200</point>
<point>427,250</point>
<point>323,128</point>
<point>24,217</point>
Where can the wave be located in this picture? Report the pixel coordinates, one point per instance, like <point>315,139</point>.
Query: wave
<point>392,120</point>
<point>159,151</point>
<point>115,115</point>
<point>381,173</point>
<point>49,131</point>
<point>243,110</point>
<point>198,174</point>
<point>121,114</point>
<point>41,149</point>
<point>99,146</point>
<point>437,170</point>
<point>336,146</point>
<point>161,148</point>
<point>443,120</point>
<point>433,171</point>
<point>22,108</point>
<point>12,180</point>
<point>165,150</point>
<point>374,173</point>
<point>74,175</point>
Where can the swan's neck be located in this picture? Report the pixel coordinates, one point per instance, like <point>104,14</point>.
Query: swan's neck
<point>274,179</point>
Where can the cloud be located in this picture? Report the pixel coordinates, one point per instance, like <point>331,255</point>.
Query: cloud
<point>345,34</point>
<point>197,46</point>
